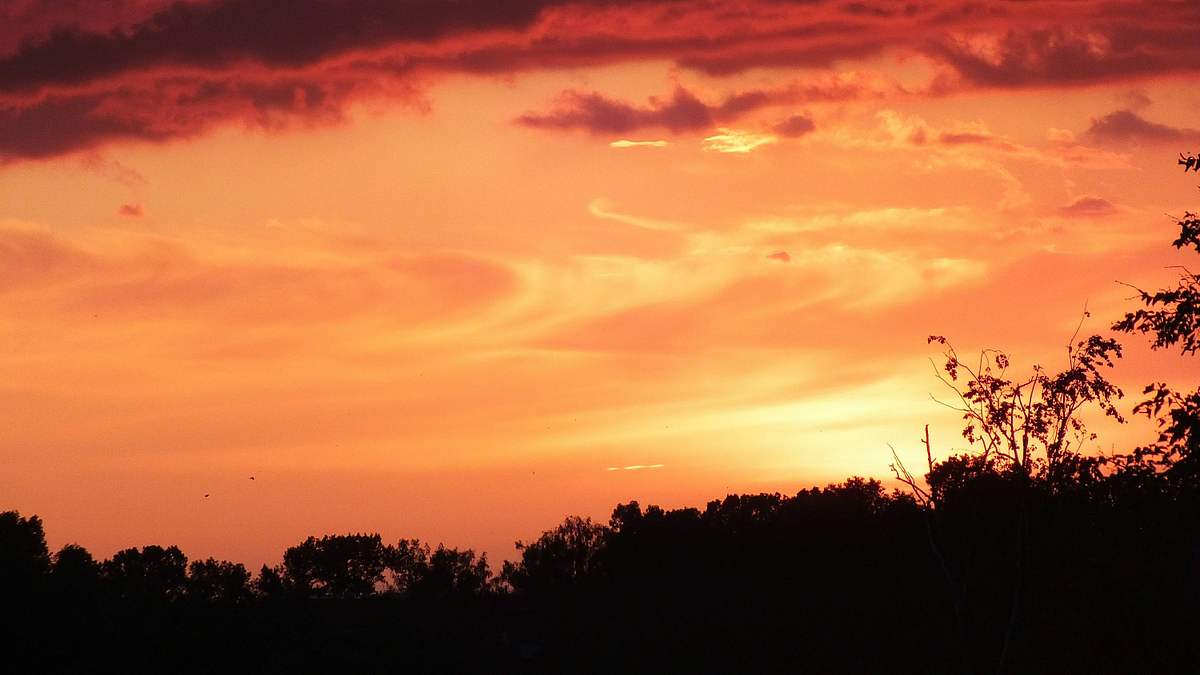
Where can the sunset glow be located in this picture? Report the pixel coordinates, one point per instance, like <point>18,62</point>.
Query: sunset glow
<point>453,270</point>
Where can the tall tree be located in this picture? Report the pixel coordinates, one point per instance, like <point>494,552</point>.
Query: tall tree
<point>24,557</point>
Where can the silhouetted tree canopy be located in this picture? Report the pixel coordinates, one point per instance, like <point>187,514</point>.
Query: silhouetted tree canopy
<point>339,566</point>
<point>563,556</point>
<point>24,557</point>
<point>218,581</point>
<point>152,572</point>
<point>75,571</point>
<point>448,571</point>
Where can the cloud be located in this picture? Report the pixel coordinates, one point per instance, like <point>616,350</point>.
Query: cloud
<point>113,170</point>
<point>600,208</point>
<point>223,33</point>
<point>972,145</point>
<point>150,70</point>
<point>1126,126</point>
<point>683,110</point>
<point>25,21</point>
<point>1135,99</point>
<point>795,126</point>
<point>1100,48</point>
<point>730,288</point>
<point>1088,207</point>
<point>623,143</point>
<point>597,114</point>
<point>130,210</point>
<point>147,279</point>
<point>160,111</point>
<point>635,467</point>
<point>734,141</point>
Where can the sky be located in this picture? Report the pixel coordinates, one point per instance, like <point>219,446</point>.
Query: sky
<point>455,269</point>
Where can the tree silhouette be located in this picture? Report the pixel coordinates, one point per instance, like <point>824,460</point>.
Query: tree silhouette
<point>75,571</point>
<point>339,566</point>
<point>149,573</point>
<point>564,556</point>
<point>1029,425</point>
<point>218,581</point>
<point>1028,432</point>
<point>24,557</point>
<point>271,583</point>
<point>1171,317</point>
<point>448,571</point>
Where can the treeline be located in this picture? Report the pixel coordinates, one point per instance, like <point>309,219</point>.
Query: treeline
<point>836,579</point>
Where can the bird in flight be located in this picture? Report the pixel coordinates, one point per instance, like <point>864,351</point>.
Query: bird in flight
<point>206,495</point>
<point>251,477</point>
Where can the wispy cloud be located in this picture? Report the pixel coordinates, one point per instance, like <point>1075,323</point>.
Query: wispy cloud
<point>735,141</point>
<point>1126,126</point>
<point>623,143</point>
<point>1088,207</point>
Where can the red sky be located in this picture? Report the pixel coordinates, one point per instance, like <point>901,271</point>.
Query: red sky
<point>445,269</point>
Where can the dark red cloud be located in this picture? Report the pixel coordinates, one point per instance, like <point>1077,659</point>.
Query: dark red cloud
<point>71,71</point>
<point>683,110</point>
<point>130,210</point>
<point>23,21</point>
<point>228,32</point>
<point>595,113</point>
<point>1079,50</point>
<point>818,55</point>
<point>1126,126</point>
<point>795,126</point>
<point>161,110</point>
<point>1088,207</point>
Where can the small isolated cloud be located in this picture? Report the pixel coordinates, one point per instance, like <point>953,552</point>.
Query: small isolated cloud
<point>781,256</point>
<point>130,210</point>
<point>795,126</point>
<point>731,140</point>
<point>1126,126</point>
<point>635,467</point>
<point>1088,207</point>
<point>624,143</point>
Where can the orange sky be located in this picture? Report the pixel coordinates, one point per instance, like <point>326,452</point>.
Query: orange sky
<point>436,269</point>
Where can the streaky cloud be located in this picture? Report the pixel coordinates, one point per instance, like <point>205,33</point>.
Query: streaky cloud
<point>737,142</point>
<point>623,143</point>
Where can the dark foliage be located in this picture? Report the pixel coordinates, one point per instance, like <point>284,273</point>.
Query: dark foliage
<point>1171,318</point>
<point>840,579</point>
